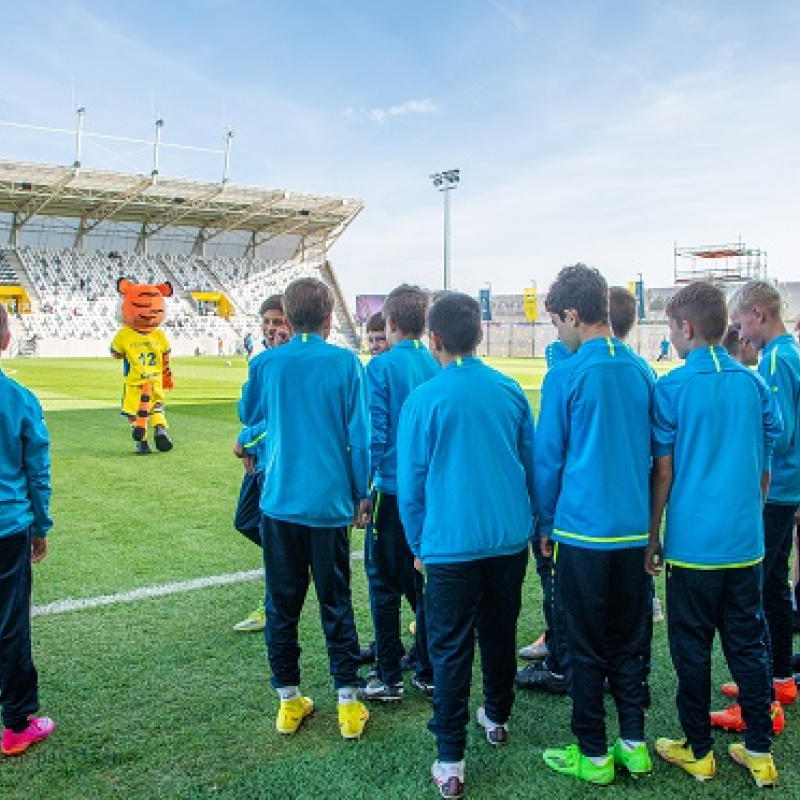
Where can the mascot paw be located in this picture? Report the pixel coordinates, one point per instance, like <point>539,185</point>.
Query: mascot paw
<point>143,449</point>
<point>163,442</point>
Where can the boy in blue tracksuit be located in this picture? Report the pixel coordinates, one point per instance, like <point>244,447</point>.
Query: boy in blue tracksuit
<point>247,519</point>
<point>465,490</point>
<point>24,523</point>
<point>546,673</point>
<point>391,377</point>
<point>316,453</point>
<point>756,312</point>
<point>592,473</point>
<point>715,426</point>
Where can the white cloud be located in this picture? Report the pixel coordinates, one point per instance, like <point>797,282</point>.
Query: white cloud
<point>380,115</point>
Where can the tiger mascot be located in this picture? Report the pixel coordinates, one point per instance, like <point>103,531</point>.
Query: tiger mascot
<point>144,351</point>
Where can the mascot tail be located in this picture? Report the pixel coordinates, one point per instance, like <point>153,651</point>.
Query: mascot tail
<point>143,412</point>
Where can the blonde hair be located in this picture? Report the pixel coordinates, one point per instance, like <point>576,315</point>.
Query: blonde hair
<point>757,293</point>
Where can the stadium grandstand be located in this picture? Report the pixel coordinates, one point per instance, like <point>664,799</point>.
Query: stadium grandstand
<point>67,234</point>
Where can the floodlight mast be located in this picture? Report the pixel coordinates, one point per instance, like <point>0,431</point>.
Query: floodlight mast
<point>81,112</point>
<point>156,143</point>
<point>226,169</point>
<point>445,182</point>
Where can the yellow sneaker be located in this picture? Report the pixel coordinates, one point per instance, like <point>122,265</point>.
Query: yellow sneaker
<point>762,768</point>
<point>353,717</point>
<point>291,713</point>
<point>678,752</point>
<point>254,622</point>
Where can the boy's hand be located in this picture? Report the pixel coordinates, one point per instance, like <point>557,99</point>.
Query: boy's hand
<point>166,380</point>
<point>653,560</point>
<point>546,546</point>
<point>419,566</point>
<point>38,549</point>
<point>248,461</point>
<point>364,513</point>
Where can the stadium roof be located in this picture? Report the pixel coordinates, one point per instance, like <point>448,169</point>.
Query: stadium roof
<point>155,202</point>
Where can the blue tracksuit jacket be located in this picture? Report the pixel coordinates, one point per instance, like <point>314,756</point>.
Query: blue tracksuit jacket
<point>465,465</point>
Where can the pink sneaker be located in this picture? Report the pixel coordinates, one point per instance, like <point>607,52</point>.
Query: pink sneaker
<point>38,728</point>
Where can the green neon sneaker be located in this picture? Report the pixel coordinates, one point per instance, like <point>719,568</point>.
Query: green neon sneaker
<point>637,760</point>
<point>570,761</point>
<point>254,622</point>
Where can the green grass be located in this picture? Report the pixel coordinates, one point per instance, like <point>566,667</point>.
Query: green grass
<point>158,698</point>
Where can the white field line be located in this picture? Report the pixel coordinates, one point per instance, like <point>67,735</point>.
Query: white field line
<point>63,606</point>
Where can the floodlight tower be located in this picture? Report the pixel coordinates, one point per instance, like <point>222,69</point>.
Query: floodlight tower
<point>445,182</point>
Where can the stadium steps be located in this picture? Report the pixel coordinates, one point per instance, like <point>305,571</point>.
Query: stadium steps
<point>12,262</point>
<point>219,286</point>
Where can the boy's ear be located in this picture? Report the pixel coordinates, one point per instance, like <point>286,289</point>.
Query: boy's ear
<point>436,342</point>
<point>5,340</point>
<point>760,313</point>
<point>688,330</point>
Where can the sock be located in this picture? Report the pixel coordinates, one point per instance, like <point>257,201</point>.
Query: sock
<point>288,692</point>
<point>754,754</point>
<point>783,680</point>
<point>347,695</point>
<point>451,768</point>
<point>598,761</point>
<point>631,744</point>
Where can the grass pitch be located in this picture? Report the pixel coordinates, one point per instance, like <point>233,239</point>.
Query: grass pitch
<point>159,698</point>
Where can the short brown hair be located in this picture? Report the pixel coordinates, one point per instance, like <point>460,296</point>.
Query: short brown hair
<point>272,303</point>
<point>702,304</point>
<point>407,305</point>
<point>307,303</point>
<point>456,319</point>
<point>621,311</point>
<point>757,293</point>
<point>4,327</point>
<point>376,323</point>
<point>582,289</point>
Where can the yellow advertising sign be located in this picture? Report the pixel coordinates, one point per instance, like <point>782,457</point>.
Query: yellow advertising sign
<point>530,304</point>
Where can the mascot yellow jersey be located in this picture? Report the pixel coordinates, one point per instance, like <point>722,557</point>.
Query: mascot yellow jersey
<point>144,351</point>
<point>142,355</point>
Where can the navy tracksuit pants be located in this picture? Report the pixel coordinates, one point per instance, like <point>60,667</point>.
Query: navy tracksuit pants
<point>390,571</point>
<point>699,603</point>
<point>484,594</point>
<point>247,519</point>
<point>778,531</point>
<point>293,554</point>
<point>19,681</point>
<point>600,599</point>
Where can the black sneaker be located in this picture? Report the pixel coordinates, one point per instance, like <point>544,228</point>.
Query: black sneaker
<point>538,678</point>
<point>495,734</point>
<point>143,448</point>
<point>162,440</point>
<point>425,688</point>
<point>376,689</point>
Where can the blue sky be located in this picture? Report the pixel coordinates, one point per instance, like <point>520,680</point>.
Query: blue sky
<point>585,130</point>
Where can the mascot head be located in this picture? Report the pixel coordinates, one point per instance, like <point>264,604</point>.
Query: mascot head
<point>143,307</point>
